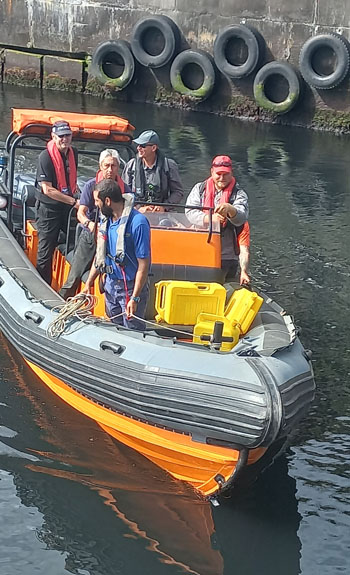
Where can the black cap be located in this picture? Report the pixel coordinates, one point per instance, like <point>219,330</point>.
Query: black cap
<point>61,128</point>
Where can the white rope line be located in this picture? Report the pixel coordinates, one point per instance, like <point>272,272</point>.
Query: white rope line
<point>80,307</point>
<point>154,324</point>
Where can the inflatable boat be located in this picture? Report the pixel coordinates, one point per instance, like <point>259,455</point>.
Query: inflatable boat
<point>217,379</point>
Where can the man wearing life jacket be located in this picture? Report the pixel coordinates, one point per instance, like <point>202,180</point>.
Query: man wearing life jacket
<point>151,176</point>
<point>57,176</point>
<point>124,254</point>
<point>84,251</point>
<point>230,203</point>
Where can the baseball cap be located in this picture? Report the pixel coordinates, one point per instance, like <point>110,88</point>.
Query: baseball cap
<point>147,137</point>
<point>221,164</point>
<point>61,128</point>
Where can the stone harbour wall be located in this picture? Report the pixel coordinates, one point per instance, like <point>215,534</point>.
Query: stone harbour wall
<point>49,44</point>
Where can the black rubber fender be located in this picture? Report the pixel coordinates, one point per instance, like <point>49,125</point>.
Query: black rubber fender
<point>255,47</point>
<point>335,42</point>
<point>119,49</point>
<point>205,62</point>
<point>294,87</point>
<point>171,36</point>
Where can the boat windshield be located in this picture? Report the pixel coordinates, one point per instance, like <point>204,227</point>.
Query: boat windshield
<point>177,220</point>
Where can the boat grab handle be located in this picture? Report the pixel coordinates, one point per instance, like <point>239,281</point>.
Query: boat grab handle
<point>110,346</point>
<point>33,316</point>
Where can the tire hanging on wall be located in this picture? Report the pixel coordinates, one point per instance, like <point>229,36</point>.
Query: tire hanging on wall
<point>201,59</point>
<point>339,46</point>
<point>255,48</point>
<point>113,53</point>
<point>169,33</point>
<point>289,74</point>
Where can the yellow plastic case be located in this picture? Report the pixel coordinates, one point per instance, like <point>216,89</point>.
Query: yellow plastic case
<point>180,302</point>
<point>242,308</point>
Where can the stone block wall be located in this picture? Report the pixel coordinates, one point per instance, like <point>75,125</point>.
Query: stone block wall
<point>75,27</point>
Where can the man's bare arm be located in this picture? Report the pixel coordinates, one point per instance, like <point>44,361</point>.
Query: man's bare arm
<point>244,265</point>
<point>48,189</point>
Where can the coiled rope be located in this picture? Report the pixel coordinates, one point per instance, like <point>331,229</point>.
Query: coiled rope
<point>79,307</point>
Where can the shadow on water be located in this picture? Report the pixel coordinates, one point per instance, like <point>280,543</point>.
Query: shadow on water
<point>108,510</point>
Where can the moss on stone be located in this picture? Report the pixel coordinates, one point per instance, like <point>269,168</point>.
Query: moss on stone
<point>103,90</point>
<point>331,120</point>
<point>57,82</point>
<point>19,77</point>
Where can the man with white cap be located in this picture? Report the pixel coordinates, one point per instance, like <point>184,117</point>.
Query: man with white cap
<point>230,206</point>
<point>57,177</point>
<point>152,177</point>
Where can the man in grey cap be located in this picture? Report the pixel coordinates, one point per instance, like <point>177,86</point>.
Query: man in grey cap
<point>152,177</point>
<point>57,178</point>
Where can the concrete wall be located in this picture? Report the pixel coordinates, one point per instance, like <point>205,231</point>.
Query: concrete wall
<point>78,26</point>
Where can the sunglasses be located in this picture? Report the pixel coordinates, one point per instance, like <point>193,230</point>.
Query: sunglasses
<point>222,165</point>
<point>63,135</point>
<point>144,145</point>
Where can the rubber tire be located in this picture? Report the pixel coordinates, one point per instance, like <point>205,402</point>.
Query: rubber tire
<point>121,48</point>
<point>171,35</point>
<point>205,62</point>
<point>339,45</point>
<point>255,45</point>
<point>286,71</point>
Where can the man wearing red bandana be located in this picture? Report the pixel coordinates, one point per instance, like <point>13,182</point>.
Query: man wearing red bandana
<point>230,204</point>
<point>57,176</point>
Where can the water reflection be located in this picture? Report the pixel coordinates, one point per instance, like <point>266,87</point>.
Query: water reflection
<point>108,510</point>
<point>259,532</point>
<point>103,505</point>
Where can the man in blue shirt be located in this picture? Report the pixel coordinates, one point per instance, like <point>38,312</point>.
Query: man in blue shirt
<point>85,247</point>
<point>125,243</point>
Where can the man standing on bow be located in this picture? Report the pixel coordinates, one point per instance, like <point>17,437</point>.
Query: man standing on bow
<point>84,251</point>
<point>57,176</point>
<point>124,253</point>
<point>230,204</point>
<point>151,176</point>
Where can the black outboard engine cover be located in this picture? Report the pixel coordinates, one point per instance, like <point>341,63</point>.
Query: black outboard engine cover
<point>23,191</point>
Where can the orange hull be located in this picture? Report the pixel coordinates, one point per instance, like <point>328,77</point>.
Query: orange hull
<point>183,458</point>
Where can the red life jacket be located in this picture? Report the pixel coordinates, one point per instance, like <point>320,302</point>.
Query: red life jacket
<point>57,161</point>
<point>209,194</point>
<point>99,178</point>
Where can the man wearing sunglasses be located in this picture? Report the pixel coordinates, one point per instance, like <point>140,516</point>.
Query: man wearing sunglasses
<point>230,208</point>
<point>152,177</point>
<point>57,177</point>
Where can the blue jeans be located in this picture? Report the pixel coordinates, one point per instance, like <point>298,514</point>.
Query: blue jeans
<point>115,302</point>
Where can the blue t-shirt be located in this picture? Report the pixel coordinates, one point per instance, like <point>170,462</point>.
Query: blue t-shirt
<point>137,244</point>
<point>87,197</point>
